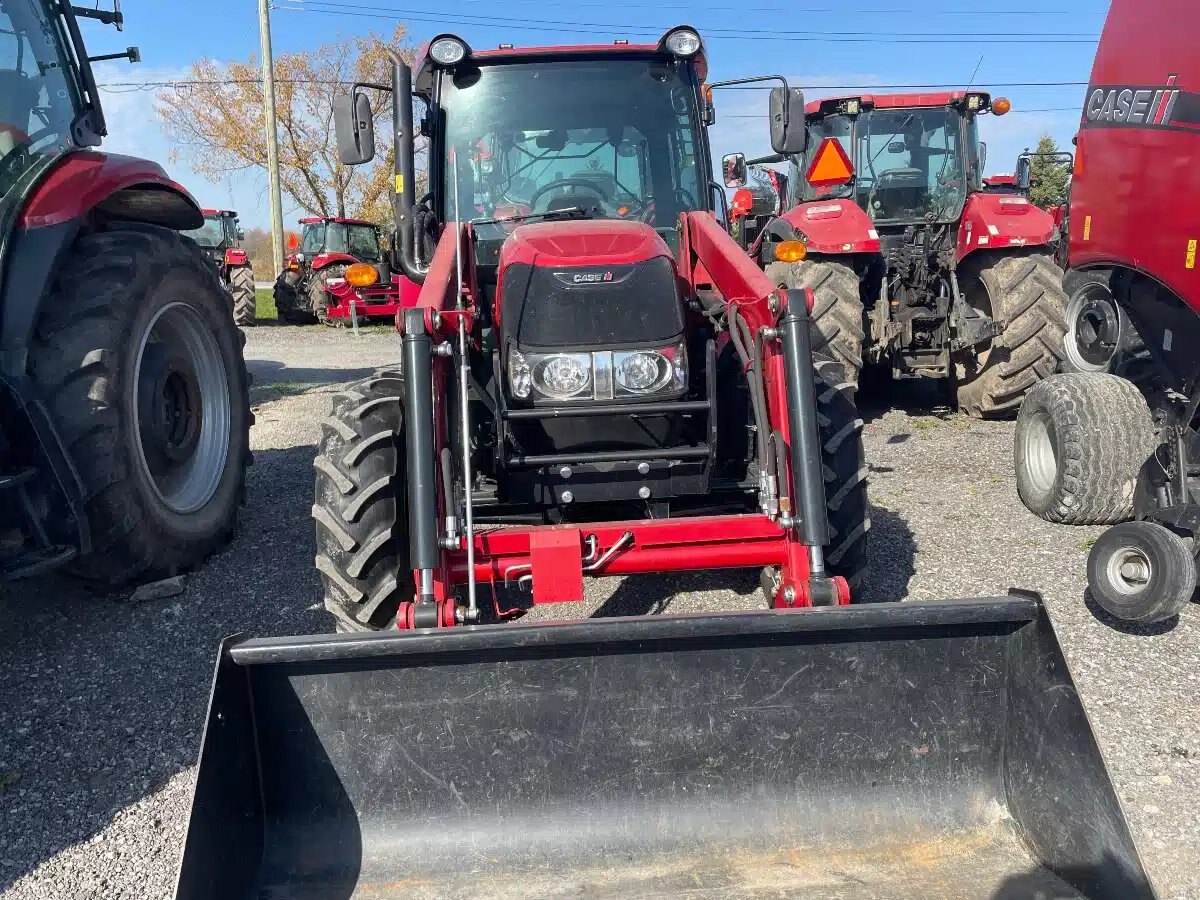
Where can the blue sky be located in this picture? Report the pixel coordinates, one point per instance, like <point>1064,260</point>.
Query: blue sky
<point>815,43</point>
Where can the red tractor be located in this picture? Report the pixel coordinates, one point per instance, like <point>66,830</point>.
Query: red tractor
<point>917,269</point>
<point>1117,436</point>
<point>124,416</point>
<point>325,249</point>
<point>220,238</point>
<point>586,352</point>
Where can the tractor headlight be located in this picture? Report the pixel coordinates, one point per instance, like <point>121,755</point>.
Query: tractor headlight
<point>600,375</point>
<point>682,42</point>
<point>648,371</point>
<point>447,51</point>
<point>563,375</point>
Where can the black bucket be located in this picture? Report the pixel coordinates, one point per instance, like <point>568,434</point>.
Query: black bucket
<point>915,750</point>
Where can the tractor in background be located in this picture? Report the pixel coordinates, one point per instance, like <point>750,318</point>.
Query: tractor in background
<point>317,262</point>
<point>220,239</point>
<point>124,410</point>
<point>917,269</point>
<point>1117,436</point>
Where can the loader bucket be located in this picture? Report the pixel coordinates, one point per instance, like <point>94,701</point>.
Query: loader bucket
<point>915,750</point>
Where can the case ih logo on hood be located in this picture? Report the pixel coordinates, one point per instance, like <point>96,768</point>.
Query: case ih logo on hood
<point>575,277</point>
<point>1161,106</point>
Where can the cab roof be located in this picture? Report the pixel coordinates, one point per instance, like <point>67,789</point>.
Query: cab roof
<point>423,66</point>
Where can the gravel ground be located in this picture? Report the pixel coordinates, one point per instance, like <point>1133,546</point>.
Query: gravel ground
<point>104,699</point>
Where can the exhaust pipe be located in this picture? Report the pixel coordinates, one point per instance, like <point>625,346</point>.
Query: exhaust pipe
<point>405,170</point>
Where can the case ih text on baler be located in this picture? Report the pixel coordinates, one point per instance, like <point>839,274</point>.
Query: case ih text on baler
<point>594,364</point>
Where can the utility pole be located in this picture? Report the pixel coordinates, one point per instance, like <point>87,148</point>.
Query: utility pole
<point>268,66</point>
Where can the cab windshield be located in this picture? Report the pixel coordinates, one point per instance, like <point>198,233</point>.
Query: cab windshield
<point>210,234</point>
<point>359,241</point>
<point>616,138</point>
<point>908,163</point>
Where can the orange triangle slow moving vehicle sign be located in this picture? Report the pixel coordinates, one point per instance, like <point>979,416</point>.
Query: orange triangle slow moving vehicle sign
<point>830,165</point>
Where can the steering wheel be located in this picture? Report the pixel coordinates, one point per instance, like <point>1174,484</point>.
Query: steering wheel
<point>586,183</point>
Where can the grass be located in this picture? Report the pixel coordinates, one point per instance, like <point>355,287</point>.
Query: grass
<point>264,305</point>
<point>1086,544</point>
<point>926,423</point>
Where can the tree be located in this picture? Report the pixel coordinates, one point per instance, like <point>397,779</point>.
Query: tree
<point>1049,180</point>
<point>218,121</point>
<point>257,245</point>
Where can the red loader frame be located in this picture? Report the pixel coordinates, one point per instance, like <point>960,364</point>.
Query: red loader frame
<point>559,556</point>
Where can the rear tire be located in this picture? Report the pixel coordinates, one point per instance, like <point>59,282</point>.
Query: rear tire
<point>359,509</point>
<point>140,365</point>
<point>1142,572</point>
<point>241,286</point>
<point>287,300</point>
<point>845,470</point>
<point>1081,440</point>
<point>837,315</point>
<point>1025,292</point>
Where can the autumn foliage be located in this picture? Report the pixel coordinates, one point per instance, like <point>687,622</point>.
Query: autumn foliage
<point>218,123</point>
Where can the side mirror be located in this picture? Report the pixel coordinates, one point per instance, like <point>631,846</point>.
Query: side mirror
<point>241,235</point>
<point>982,156</point>
<point>1024,173</point>
<point>895,147</point>
<point>788,134</point>
<point>733,167</point>
<point>354,125</point>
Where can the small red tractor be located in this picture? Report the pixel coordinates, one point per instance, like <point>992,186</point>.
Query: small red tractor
<point>1117,436</point>
<point>917,269</point>
<point>124,415</point>
<point>326,248</point>
<point>220,238</point>
<point>597,380</point>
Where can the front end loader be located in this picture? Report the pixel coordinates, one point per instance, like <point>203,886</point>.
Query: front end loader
<point>596,380</point>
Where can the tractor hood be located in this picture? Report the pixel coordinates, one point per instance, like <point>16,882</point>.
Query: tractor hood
<point>586,284</point>
<point>582,242</point>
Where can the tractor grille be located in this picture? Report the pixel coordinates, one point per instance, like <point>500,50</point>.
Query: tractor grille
<point>624,305</point>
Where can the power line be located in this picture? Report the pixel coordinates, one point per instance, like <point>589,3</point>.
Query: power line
<point>1015,112</point>
<point>553,25</point>
<point>792,10</point>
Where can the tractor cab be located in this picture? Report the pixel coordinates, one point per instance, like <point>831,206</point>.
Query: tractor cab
<point>220,232</point>
<point>915,158</point>
<point>323,238</point>
<point>524,137</point>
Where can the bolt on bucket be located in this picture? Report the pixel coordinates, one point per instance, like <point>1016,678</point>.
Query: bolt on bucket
<point>916,750</point>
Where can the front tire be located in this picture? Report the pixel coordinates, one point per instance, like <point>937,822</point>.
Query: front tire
<point>1142,572</point>
<point>287,299</point>
<point>845,470</point>
<point>837,315</point>
<point>1097,328</point>
<point>141,367</point>
<point>359,507</point>
<point>1025,293</point>
<point>241,286</point>
<point>318,295</point>
<point>1080,442</point>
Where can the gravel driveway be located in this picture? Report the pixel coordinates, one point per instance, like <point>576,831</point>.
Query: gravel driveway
<point>104,699</point>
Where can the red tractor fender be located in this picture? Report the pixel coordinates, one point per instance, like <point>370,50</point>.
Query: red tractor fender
<point>236,257</point>
<point>323,260</point>
<point>1001,221</point>
<point>833,226</point>
<point>122,186</point>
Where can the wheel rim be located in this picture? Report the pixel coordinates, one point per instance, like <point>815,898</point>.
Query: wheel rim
<point>182,412</point>
<point>1093,328</point>
<point>1038,450</point>
<point>1129,571</point>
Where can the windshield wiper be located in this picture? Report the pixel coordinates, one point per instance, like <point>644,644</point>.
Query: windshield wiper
<point>571,212</point>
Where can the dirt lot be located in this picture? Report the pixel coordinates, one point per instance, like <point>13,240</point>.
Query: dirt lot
<point>104,699</point>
